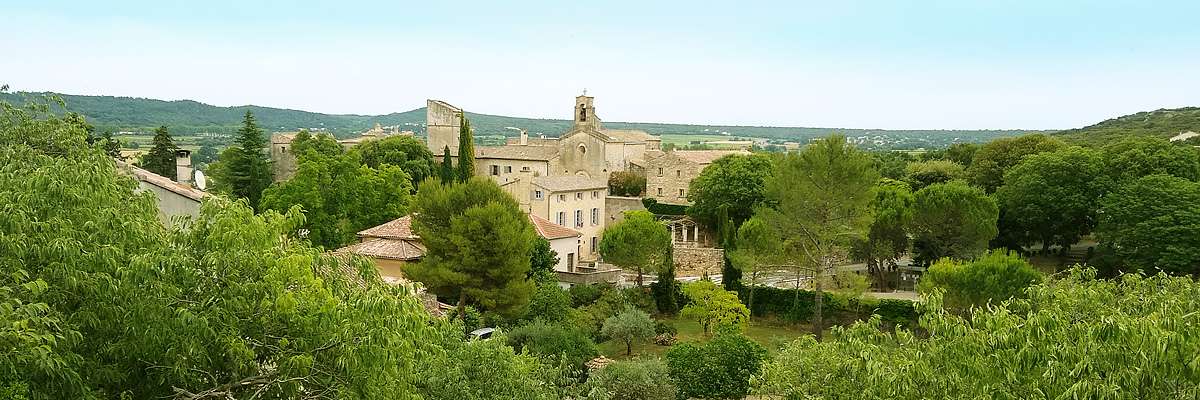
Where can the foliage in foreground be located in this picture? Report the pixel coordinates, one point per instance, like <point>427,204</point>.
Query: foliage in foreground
<point>719,369</point>
<point>990,279</point>
<point>1077,337</point>
<point>631,380</point>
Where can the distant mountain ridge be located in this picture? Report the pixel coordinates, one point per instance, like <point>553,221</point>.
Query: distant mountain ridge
<point>1161,123</point>
<point>186,117</point>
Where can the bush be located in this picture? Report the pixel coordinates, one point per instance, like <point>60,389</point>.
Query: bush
<point>584,295</point>
<point>778,303</point>
<point>625,183</point>
<point>632,380</point>
<point>663,327</point>
<point>719,369</point>
<point>994,277</point>
<point>641,299</point>
<point>591,317</point>
<point>548,303</point>
<point>656,208</point>
<point>550,340</point>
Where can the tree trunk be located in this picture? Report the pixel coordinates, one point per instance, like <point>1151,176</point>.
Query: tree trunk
<point>462,306</point>
<point>750,297</point>
<point>639,277</point>
<point>796,293</point>
<point>629,347</point>
<point>818,302</point>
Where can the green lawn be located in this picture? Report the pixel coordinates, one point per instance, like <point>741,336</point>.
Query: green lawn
<point>771,334</point>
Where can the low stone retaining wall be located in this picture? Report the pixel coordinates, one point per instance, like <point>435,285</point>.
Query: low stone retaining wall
<point>698,261</point>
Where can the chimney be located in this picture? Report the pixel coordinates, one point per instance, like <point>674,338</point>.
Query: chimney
<point>183,166</point>
<point>524,137</point>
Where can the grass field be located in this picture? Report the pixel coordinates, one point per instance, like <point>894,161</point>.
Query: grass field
<point>688,139</point>
<point>771,334</point>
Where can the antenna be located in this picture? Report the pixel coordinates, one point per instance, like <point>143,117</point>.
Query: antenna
<point>201,181</point>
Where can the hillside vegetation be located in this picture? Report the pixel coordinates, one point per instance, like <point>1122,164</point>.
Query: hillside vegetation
<point>187,117</point>
<point>1163,123</point>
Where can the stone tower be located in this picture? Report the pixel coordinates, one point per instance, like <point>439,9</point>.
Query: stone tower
<point>585,113</point>
<point>442,122</point>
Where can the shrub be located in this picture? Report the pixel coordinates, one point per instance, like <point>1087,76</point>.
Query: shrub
<point>713,306</point>
<point>656,208</point>
<point>629,326</point>
<point>663,327</point>
<point>994,277</point>
<point>625,183</point>
<point>632,380</point>
<point>591,317</point>
<point>719,369</point>
<point>583,295</point>
<point>550,340</point>
<point>783,304</point>
<point>548,303</point>
<point>641,299</point>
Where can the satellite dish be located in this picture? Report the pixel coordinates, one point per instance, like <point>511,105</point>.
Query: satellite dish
<point>201,181</point>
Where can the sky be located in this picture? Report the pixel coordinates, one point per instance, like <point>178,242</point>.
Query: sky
<point>962,64</point>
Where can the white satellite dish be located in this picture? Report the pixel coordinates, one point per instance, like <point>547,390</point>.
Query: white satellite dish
<point>200,180</point>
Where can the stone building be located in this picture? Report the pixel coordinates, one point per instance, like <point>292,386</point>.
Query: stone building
<point>669,174</point>
<point>391,245</point>
<point>173,198</point>
<point>570,201</point>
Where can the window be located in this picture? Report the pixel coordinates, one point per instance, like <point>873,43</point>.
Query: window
<point>678,173</point>
<point>582,149</point>
<point>525,169</point>
<point>660,172</point>
<point>508,169</point>
<point>562,218</point>
<point>283,149</point>
<point>681,193</point>
<point>537,194</point>
<point>562,197</point>
<point>495,170</point>
<point>593,244</point>
<point>595,216</point>
<point>579,196</point>
<point>595,194</point>
<point>578,218</point>
<point>660,191</point>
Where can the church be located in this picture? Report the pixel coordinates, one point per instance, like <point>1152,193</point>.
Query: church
<point>563,180</point>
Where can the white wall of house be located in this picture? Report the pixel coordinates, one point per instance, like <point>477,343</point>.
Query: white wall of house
<point>566,248</point>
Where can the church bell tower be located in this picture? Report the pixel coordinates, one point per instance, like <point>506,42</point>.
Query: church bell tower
<point>585,112</point>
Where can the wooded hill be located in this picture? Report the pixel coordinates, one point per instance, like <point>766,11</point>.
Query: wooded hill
<point>1163,123</point>
<point>186,117</point>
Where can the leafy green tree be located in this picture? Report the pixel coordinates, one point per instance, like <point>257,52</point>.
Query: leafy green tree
<point>819,202</point>
<point>549,303</point>
<point>961,153</point>
<point>305,145</point>
<point>552,340</point>
<point>1072,337</point>
<point>227,306</point>
<point>921,174</point>
<point>887,238</point>
<point>206,155</point>
<point>112,147</point>
<point>638,242</point>
<point>1135,157</point>
<point>247,170</point>
<point>996,157</point>
<point>891,164</point>
<point>542,260</point>
<point>466,150</point>
<point>732,185</point>
<point>447,173</point>
<point>757,248</point>
<point>339,195</point>
<point>477,244</point>
<point>714,307</point>
<point>161,158</point>
<point>952,220</point>
<point>626,183</point>
<point>405,152</point>
<point>631,380</point>
<point>629,326</point>
<point>994,277</point>
<point>719,369</point>
<point>1153,223</point>
<point>1052,197</point>
<point>486,369</point>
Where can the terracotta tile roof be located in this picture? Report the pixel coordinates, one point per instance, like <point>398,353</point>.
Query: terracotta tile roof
<point>392,249</point>
<point>566,183</point>
<point>706,156</point>
<point>535,153</point>
<point>399,228</point>
<point>550,230</point>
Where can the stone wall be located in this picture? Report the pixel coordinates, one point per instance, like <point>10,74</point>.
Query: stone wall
<point>616,206</point>
<point>668,176</point>
<point>698,261</point>
<point>442,125</point>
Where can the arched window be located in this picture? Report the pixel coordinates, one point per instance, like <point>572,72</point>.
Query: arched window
<point>582,149</point>
<point>582,113</point>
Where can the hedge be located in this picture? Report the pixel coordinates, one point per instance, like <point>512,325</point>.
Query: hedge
<point>654,207</point>
<point>771,301</point>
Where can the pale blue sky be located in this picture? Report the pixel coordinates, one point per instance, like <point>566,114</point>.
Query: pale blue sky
<point>861,64</point>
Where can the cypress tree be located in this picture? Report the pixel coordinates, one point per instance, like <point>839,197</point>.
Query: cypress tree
<point>731,277</point>
<point>447,173</point>
<point>250,168</point>
<point>466,150</point>
<point>666,291</point>
<point>161,158</point>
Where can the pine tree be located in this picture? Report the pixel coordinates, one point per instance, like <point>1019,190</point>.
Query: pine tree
<point>447,173</point>
<point>161,158</point>
<point>466,150</point>
<point>250,167</point>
